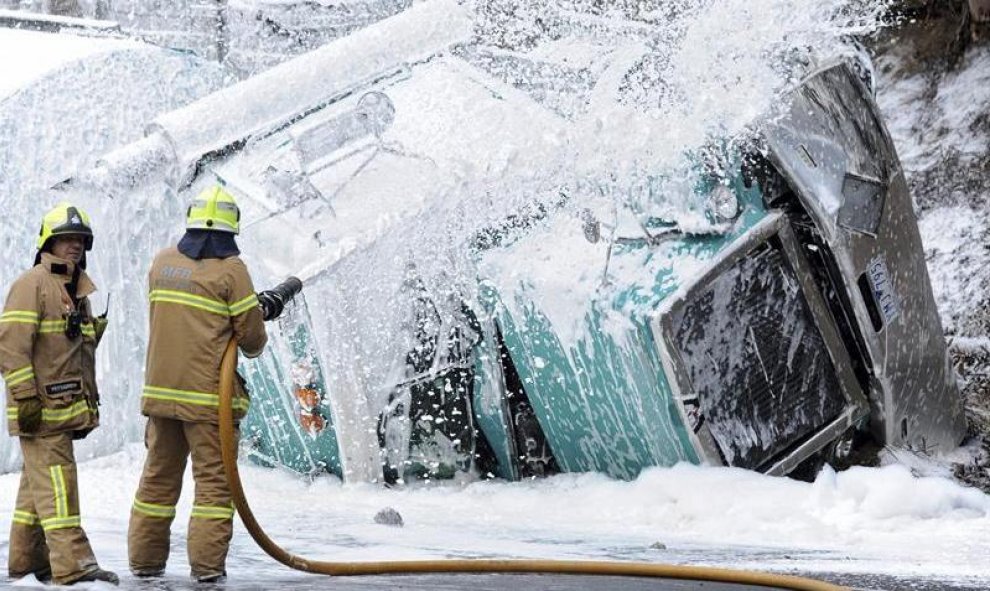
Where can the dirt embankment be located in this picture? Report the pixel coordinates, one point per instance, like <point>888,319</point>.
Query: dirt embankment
<point>933,73</point>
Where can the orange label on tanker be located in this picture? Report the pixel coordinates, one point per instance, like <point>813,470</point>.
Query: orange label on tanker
<point>313,423</point>
<point>308,398</point>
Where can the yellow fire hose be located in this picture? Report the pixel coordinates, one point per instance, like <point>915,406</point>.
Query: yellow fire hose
<point>228,445</point>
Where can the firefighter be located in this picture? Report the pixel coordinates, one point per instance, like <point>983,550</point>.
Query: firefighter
<point>201,295</point>
<point>48,339</point>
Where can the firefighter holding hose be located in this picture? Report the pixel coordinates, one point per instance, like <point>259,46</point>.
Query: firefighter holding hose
<point>201,295</point>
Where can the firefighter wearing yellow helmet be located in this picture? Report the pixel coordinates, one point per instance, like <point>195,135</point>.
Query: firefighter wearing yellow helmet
<point>214,209</point>
<point>48,339</point>
<point>201,295</point>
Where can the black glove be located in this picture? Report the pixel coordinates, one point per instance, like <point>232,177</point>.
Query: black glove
<point>100,324</point>
<point>272,301</point>
<point>271,304</point>
<point>29,415</point>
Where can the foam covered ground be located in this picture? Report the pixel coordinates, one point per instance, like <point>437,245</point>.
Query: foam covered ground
<point>858,522</point>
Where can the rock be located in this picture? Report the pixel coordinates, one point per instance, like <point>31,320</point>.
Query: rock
<point>658,546</point>
<point>388,516</point>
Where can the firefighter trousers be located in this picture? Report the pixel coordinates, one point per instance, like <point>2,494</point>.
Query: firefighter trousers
<point>170,442</point>
<point>46,532</point>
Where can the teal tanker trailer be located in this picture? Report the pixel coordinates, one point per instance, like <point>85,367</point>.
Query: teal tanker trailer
<point>760,302</point>
<point>785,322</point>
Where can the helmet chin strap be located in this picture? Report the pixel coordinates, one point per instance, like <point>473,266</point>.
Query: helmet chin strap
<point>72,287</point>
<point>46,248</point>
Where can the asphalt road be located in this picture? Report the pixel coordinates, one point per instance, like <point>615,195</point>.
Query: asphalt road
<point>280,579</point>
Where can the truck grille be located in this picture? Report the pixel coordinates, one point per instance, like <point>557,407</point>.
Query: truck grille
<point>756,360</point>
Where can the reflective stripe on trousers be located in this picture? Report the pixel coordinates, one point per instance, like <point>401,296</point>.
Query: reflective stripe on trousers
<point>170,442</point>
<point>208,512</point>
<point>49,497</point>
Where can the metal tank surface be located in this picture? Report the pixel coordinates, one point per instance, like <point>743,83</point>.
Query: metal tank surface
<point>786,317</point>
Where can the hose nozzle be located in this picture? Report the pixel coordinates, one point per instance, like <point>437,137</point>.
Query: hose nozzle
<point>288,288</point>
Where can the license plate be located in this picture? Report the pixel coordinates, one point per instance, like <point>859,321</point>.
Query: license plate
<point>883,289</point>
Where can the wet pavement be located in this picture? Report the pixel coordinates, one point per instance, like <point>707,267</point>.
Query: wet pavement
<point>280,578</point>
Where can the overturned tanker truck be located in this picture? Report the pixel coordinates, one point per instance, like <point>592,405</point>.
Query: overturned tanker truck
<point>791,320</point>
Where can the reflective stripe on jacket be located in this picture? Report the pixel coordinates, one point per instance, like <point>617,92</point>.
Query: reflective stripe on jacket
<point>196,307</point>
<point>37,359</point>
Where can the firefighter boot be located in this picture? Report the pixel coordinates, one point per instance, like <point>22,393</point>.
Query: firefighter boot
<point>98,574</point>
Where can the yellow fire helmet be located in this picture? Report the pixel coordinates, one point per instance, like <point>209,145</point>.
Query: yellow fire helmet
<point>63,219</point>
<point>214,209</point>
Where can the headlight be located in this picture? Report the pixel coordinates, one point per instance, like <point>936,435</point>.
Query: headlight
<point>376,111</point>
<point>723,204</point>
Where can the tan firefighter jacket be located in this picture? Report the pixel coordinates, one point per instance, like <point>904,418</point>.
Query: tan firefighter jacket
<point>196,307</point>
<point>36,356</point>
